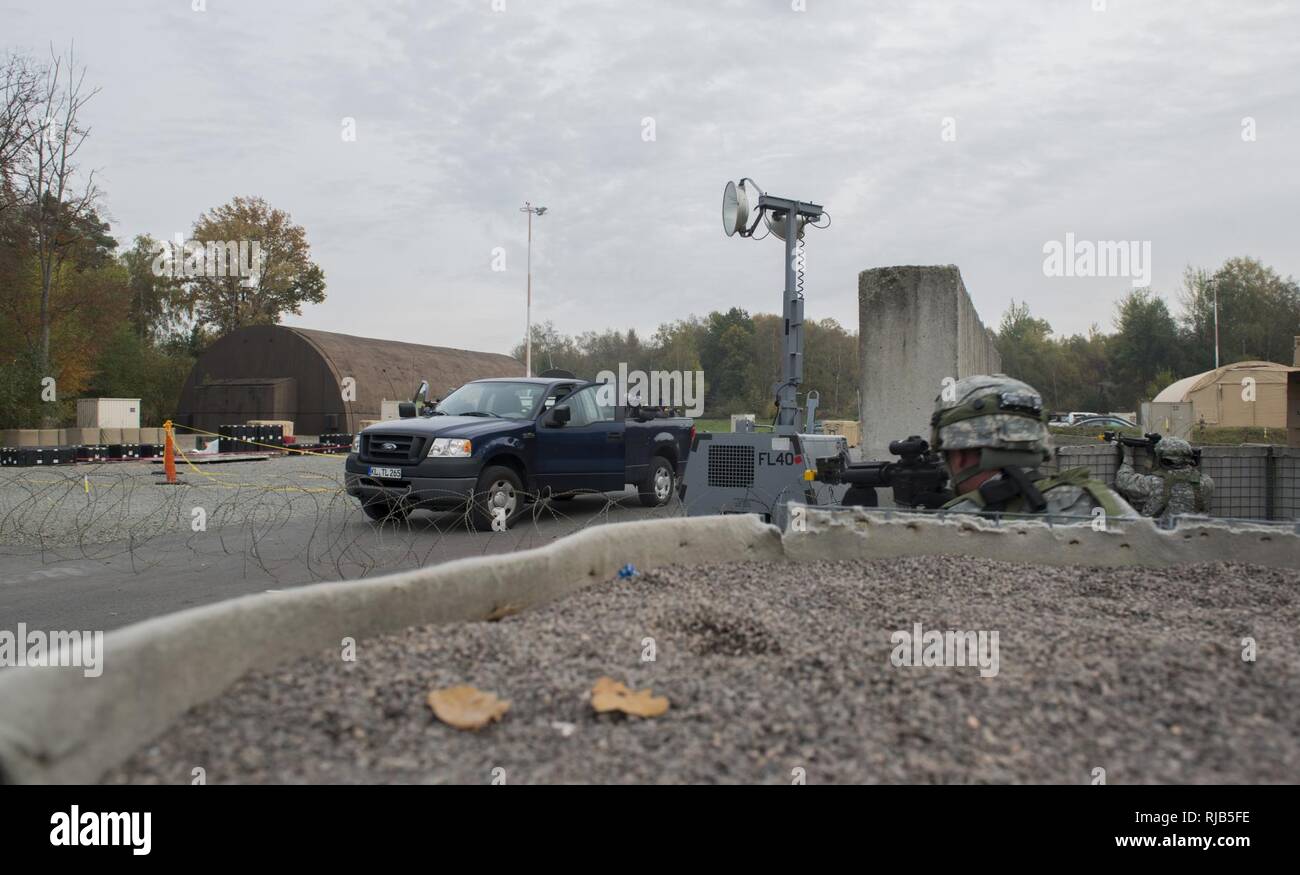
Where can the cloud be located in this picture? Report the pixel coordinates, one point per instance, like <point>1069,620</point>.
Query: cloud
<point>1118,124</point>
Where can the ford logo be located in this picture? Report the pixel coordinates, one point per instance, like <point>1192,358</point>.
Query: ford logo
<point>390,446</point>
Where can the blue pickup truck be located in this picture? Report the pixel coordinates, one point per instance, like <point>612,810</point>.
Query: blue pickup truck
<point>493,446</point>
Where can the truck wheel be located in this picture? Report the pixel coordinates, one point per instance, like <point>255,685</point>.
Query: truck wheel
<point>383,511</point>
<point>659,484</point>
<point>499,489</point>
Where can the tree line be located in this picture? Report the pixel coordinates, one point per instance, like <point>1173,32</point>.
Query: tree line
<point>739,353</point>
<point>81,315</point>
<point>1149,347</point>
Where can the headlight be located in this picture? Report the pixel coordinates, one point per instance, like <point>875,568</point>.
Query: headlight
<point>449,447</point>
<point>356,443</point>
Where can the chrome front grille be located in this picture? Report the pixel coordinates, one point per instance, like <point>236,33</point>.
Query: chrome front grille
<point>401,448</point>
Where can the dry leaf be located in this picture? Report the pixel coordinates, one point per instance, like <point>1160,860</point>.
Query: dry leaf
<point>466,708</point>
<point>503,610</point>
<point>610,695</point>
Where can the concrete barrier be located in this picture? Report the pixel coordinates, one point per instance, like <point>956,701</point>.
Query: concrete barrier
<point>916,327</point>
<point>22,437</point>
<point>79,436</point>
<point>58,726</point>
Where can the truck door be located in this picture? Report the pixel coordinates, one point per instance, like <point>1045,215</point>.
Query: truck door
<point>584,453</point>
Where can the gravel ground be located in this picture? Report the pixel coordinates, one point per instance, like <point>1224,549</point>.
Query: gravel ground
<point>773,668</point>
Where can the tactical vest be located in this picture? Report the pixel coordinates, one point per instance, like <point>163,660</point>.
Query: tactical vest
<point>1190,476</point>
<point>1079,477</point>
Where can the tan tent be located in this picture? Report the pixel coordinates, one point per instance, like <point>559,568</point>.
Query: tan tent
<point>1260,394</point>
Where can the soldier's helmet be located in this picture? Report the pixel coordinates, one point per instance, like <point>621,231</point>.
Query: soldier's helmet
<point>1001,416</point>
<point>1174,452</point>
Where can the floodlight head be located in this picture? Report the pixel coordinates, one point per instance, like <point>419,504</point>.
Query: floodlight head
<point>775,220</point>
<point>735,208</point>
<point>541,211</point>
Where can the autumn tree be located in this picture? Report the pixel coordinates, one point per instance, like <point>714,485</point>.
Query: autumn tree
<point>1259,313</point>
<point>1146,343</point>
<point>60,199</point>
<point>275,276</point>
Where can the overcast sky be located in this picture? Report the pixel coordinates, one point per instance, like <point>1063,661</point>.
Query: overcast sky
<point>1119,124</point>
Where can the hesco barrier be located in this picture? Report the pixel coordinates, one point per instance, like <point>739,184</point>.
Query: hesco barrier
<point>1260,482</point>
<point>857,533</point>
<point>58,726</point>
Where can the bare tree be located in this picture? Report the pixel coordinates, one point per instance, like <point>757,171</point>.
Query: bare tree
<point>62,208</point>
<point>18,96</point>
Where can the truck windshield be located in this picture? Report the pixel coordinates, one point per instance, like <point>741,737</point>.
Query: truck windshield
<point>505,400</point>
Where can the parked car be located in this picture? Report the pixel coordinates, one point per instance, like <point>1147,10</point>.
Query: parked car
<point>1106,422</point>
<point>500,443</point>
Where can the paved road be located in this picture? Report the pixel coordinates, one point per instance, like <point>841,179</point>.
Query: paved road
<point>110,585</point>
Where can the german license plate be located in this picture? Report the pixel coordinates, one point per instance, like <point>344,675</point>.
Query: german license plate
<point>388,473</point>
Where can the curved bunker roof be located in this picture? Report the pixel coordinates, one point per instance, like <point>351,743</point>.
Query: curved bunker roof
<point>1217,396</point>
<point>299,374</point>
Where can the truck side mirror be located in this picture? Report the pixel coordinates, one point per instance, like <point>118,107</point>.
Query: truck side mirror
<point>406,409</point>
<point>560,415</point>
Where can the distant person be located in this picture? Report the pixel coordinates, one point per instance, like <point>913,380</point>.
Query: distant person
<point>993,437</point>
<point>1174,486</point>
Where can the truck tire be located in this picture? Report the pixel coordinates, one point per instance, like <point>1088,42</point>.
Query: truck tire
<point>383,511</point>
<point>659,484</point>
<point>498,487</point>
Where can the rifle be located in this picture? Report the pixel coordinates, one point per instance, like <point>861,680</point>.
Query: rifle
<point>1147,442</point>
<point>918,478</point>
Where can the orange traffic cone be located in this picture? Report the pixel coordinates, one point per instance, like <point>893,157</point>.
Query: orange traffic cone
<point>169,456</point>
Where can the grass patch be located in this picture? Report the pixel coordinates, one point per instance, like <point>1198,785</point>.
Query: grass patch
<point>713,424</point>
<point>1236,436</point>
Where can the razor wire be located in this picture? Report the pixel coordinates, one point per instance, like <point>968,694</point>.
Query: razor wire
<point>292,512</point>
<point>274,512</point>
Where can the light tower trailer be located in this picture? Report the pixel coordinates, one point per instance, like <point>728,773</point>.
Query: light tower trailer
<point>764,472</point>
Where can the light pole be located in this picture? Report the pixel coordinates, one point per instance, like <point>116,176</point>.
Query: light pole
<point>528,328</point>
<point>1215,283</point>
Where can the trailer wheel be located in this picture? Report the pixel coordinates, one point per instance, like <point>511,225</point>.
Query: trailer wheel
<point>660,482</point>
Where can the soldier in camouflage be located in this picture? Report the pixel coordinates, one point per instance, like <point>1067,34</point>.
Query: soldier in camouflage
<point>992,434</point>
<point>1174,486</point>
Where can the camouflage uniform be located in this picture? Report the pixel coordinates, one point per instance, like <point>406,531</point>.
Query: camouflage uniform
<point>1004,419</point>
<point>1174,486</point>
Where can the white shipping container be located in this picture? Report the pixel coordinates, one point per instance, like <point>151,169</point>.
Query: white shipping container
<point>108,413</point>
